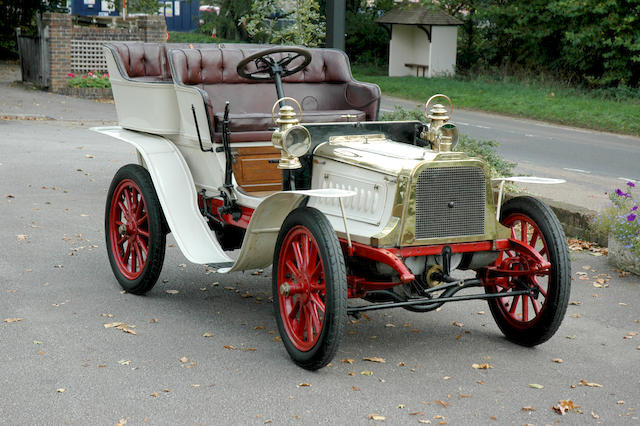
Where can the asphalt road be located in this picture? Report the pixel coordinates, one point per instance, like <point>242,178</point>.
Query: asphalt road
<point>60,365</point>
<point>593,163</point>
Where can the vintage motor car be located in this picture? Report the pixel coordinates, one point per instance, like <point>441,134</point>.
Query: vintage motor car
<point>354,214</point>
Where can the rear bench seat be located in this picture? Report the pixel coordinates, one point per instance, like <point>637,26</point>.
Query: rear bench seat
<point>325,89</point>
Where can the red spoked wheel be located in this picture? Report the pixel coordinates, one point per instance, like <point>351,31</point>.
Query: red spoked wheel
<point>309,280</point>
<point>538,262</point>
<point>134,228</point>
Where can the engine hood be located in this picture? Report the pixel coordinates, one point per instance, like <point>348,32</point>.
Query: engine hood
<point>376,152</point>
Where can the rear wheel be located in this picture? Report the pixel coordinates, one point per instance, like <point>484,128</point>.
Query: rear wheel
<point>134,229</point>
<point>533,318</point>
<point>309,288</point>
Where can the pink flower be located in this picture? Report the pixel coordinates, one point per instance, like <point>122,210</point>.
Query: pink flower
<point>71,75</point>
<point>90,73</point>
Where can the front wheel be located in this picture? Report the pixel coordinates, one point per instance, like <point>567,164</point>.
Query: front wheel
<point>531,319</point>
<point>309,288</point>
<point>134,229</point>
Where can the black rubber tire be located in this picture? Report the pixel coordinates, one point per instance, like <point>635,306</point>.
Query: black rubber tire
<point>335,298</point>
<point>156,224</point>
<point>558,283</point>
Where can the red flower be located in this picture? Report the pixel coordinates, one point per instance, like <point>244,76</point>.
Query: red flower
<point>71,75</point>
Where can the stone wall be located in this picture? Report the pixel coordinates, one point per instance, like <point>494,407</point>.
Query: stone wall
<point>59,30</point>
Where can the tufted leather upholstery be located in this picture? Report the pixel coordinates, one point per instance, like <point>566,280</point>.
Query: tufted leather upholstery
<point>325,88</point>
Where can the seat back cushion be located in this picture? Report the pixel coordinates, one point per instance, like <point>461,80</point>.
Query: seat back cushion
<point>140,59</point>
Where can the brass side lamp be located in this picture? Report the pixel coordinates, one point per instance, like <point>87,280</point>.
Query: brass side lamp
<point>292,139</point>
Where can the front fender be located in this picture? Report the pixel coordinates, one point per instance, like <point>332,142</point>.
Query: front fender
<point>261,236</point>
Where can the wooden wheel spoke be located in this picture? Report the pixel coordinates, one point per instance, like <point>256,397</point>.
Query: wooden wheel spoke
<point>309,323</point>
<point>525,308</point>
<point>297,252</point>
<point>536,306</point>
<point>523,231</point>
<point>534,238</point>
<point>319,304</point>
<point>142,219</point>
<point>142,247</point>
<point>292,268</point>
<point>514,304</point>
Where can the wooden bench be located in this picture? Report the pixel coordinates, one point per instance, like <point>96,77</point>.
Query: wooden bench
<point>418,67</point>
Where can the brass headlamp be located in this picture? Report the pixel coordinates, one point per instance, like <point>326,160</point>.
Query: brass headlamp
<point>442,135</point>
<point>292,139</point>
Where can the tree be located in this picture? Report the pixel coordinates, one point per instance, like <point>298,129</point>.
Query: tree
<point>268,22</point>
<point>19,14</point>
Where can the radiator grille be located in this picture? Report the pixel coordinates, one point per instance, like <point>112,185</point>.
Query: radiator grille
<point>450,202</point>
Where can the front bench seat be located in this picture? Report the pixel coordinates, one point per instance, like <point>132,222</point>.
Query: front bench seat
<point>326,90</point>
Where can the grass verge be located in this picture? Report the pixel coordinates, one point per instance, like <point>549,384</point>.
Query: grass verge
<point>524,99</point>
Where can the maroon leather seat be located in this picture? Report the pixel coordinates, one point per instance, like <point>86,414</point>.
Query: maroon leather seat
<point>325,89</point>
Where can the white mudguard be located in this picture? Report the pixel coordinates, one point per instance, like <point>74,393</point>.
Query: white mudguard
<point>177,194</point>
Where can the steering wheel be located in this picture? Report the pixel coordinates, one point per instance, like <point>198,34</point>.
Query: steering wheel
<point>268,67</point>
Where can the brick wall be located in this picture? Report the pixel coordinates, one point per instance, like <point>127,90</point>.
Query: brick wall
<point>60,30</point>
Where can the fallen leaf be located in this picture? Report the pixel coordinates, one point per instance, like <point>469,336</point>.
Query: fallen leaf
<point>173,291</point>
<point>464,395</point>
<point>424,421</point>
<point>377,417</point>
<point>230,347</point>
<point>401,405</point>
<point>374,359</point>
<point>11,320</point>
<point>367,373</point>
<point>594,415</point>
<point>355,389</point>
<point>570,337</point>
<point>304,385</point>
<point>484,366</point>
<point>166,390</point>
<point>90,156</point>
<point>348,361</point>
<point>389,325</point>
<point>557,360</point>
<point>207,335</point>
<point>457,324</point>
<point>184,359</point>
<point>121,422</point>
<point>444,404</point>
<point>620,402</point>
<point>563,406</point>
<point>60,390</point>
<point>417,413</point>
<point>155,394</point>
<point>528,408</point>
<point>590,384</point>
<point>124,362</point>
<point>575,302</point>
<point>536,386</point>
<point>21,237</point>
